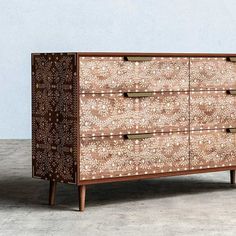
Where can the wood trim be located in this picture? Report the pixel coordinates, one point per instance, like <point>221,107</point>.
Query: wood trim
<point>152,176</point>
<point>161,54</point>
<point>82,197</point>
<point>32,105</point>
<point>78,121</point>
<point>52,192</point>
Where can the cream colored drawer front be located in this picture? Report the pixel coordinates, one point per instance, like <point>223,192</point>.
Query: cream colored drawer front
<point>112,114</point>
<point>116,157</point>
<point>211,149</point>
<point>113,74</point>
<point>212,73</point>
<point>212,110</point>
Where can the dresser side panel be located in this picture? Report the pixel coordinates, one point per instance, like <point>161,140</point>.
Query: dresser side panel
<point>54,116</point>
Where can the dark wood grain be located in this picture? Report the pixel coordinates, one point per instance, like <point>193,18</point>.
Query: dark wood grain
<point>153,176</point>
<point>52,192</point>
<point>82,193</point>
<point>232,176</point>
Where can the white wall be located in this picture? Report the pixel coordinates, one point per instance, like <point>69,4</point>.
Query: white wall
<point>99,25</point>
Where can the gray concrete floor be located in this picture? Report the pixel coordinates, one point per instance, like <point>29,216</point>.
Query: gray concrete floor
<point>188,205</point>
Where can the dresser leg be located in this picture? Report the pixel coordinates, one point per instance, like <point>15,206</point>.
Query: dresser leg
<point>232,176</point>
<point>52,192</point>
<point>82,193</point>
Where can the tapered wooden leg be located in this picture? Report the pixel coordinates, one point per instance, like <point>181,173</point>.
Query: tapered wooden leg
<point>82,193</point>
<point>232,176</point>
<point>52,192</point>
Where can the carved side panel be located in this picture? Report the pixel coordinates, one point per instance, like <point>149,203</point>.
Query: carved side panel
<point>54,115</point>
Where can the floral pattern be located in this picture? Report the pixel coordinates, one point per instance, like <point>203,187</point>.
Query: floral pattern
<point>105,114</point>
<point>110,74</point>
<point>85,126</point>
<point>212,148</point>
<point>212,110</point>
<point>54,108</point>
<point>106,157</point>
<point>212,73</point>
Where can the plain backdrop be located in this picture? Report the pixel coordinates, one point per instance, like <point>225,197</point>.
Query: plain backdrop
<point>99,25</point>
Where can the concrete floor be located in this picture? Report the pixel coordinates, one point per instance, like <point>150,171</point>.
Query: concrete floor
<point>188,205</point>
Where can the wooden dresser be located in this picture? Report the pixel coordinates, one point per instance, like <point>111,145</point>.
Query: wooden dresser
<point>106,117</point>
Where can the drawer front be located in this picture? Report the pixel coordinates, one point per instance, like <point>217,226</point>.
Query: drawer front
<point>212,148</point>
<point>212,74</point>
<point>110,74</point>
<point>108,114</point>
<point>212,110</point>
<point>105,157</point>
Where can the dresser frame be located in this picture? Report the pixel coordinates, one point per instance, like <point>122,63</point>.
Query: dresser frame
<point>76,166</point>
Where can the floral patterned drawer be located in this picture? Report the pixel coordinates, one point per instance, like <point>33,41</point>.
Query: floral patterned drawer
<point>212,74</point>
<point>113,74</point>
<point>110,114</point>
<point>212,110</point>
<point>212,148</point>
<point>107,157</point>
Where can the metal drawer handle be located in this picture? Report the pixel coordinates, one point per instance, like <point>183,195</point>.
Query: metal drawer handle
<point>137,136</point>
<point>137,58</point>
<point>138,94</point>
<point>231,92</point>
<point>231,130</point>
<point>232,59</point>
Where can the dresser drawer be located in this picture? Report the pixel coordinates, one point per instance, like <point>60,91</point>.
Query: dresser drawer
<point>212,110</point>
<point>212,74</point>
<point>113,74</point>
<point>212,148</point>
<point>105,157</point>
<point>110,114</point>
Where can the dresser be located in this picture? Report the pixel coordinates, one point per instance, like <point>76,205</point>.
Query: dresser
<point>107,117</point>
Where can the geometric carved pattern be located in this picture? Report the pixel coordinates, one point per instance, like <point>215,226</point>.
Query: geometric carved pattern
<point>54,115</point>
<point>212,148</point>
<point>113,74</point>
<point>105,157</point>
<point>60,139</point>
<point>102,114</point>
<point>212,73</point>
<point>212,110</point>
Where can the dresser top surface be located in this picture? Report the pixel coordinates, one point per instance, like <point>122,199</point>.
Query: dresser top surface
<point>159,54</point>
